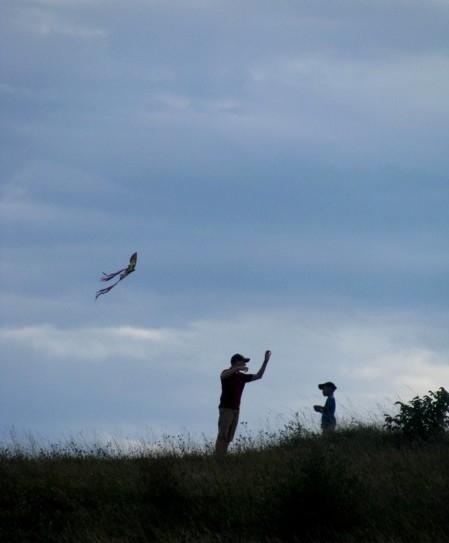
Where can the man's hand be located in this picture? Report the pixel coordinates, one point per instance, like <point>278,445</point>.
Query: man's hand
<point>267,356</point>
<point>318,408</point>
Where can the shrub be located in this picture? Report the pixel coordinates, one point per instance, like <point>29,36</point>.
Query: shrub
<point>422,417</point>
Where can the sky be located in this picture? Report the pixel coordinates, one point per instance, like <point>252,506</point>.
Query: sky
<point>281,168</point>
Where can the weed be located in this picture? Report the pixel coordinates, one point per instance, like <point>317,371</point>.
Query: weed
<point>362,483</point>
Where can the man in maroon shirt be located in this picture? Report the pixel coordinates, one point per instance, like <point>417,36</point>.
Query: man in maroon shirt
<point>233,381</point>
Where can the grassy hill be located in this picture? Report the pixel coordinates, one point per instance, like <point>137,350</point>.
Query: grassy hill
<point>360,485</point>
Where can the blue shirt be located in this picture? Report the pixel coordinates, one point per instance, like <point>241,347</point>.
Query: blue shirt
<point>328,416</point>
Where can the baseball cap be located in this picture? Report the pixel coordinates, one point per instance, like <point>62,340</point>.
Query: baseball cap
<point>327,384</point>
<point>238,358</point>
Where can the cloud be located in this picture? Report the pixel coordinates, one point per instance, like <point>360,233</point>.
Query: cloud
<point>46,17</point>
<point>415,369</point>
<point>126,372</point>
<point>281,170</point>
<point>91,344</point>
<point>356,85</point>
<point>311,93</point>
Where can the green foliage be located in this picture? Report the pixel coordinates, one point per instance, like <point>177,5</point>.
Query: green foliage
<point>422,418</point>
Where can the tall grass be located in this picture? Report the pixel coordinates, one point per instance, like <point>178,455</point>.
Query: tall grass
<point>360,485</point>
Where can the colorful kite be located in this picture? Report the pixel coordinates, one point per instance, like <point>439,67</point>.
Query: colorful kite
<point>123,273</point>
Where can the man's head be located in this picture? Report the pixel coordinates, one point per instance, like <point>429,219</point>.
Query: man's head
<point>328,388</point>
<point>238,360</point>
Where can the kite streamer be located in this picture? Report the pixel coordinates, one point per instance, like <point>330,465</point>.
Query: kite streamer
<point>122,273</point>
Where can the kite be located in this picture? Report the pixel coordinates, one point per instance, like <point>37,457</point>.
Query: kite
<point>123,273</point>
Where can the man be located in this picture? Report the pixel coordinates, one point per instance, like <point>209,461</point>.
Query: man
<point>233,381</point>
<point>327,410</point>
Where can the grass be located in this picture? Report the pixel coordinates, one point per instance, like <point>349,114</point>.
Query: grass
<point>362,484</point>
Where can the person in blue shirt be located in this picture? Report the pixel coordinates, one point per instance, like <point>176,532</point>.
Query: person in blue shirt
<point>327,410</point>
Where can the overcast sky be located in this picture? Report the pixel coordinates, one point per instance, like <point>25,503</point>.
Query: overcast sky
<point>281,168</point>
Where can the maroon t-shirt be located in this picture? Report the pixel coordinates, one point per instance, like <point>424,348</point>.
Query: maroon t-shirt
<point>232,389</point>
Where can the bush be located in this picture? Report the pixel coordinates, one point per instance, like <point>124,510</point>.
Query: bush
<point>422,417</point>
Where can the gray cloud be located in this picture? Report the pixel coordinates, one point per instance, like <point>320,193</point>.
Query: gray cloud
<point>281,170</point>
<point>160,378</point>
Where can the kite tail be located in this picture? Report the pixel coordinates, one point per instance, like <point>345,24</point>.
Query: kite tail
<point>109,276</point>
<point>105,290</point>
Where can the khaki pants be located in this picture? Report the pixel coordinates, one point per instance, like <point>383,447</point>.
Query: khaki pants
<point>227,423</point>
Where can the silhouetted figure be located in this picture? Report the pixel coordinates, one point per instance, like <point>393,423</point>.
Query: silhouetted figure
<point>233,381</point>
<point>328,422</point>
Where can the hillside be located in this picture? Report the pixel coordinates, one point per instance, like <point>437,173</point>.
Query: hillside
<point>363,484</point>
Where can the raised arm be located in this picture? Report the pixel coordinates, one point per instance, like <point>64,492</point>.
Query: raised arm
<point>263,367</point>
